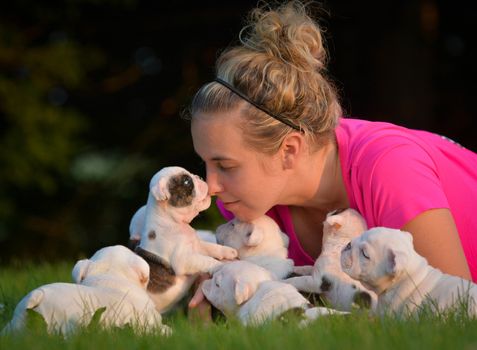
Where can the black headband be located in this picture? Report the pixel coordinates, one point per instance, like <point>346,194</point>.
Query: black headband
<point>263,109</point>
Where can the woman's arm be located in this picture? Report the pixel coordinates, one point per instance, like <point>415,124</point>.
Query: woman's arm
<point>436,238</point>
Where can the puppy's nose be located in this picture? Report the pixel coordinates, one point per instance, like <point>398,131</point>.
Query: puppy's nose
<point>362,299</point>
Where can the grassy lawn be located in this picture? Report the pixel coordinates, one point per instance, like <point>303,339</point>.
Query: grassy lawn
<point>359,330</point>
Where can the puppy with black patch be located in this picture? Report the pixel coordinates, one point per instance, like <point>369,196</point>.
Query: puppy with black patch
<point>385,261</point>
<point>168,243</point>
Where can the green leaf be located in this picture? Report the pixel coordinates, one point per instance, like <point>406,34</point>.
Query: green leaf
<point>96,319</point>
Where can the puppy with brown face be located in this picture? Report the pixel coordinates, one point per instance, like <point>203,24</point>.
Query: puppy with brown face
<point>385,261</point>
<point>168,242</point>
<point>260,241</point>
<point>326,276</point>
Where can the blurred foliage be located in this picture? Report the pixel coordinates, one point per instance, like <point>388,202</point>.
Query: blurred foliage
<point>91,93</point>
<point>79,137</point>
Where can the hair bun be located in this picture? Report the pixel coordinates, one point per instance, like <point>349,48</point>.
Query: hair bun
<point>287,33</point>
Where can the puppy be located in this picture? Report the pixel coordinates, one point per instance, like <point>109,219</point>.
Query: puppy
<point>137,224</point>
<point>168,243</point>
<point>327,278</point>
<point>114,278</point>
<point>248,292</point>
<point>385,261</point>
<point>260,241</point>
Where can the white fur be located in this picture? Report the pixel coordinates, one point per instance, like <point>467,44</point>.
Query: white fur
<point>114,278</point>
<point>385,261</point>
<point>260,241</point>
<point>174,241</point>
<point>327,277</point>
<point>248,292</point>
<point>137,224</point>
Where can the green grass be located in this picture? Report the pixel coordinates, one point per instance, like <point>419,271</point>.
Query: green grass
<point>359,330</point>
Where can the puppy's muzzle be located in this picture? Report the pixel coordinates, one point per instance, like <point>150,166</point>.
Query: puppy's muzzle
<point>362,299</point>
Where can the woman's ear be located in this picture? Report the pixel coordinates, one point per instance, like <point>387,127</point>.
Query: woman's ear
<point>292,147</point>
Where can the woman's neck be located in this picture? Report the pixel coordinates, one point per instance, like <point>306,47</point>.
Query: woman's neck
<point>320,185</point>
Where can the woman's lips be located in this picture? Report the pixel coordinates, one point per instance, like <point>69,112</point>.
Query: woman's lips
<point>229,204</point>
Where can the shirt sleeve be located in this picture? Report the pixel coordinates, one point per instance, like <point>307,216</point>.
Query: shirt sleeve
<point>399,183</point>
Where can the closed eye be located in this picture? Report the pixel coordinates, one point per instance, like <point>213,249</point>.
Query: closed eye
<point>363,252</point>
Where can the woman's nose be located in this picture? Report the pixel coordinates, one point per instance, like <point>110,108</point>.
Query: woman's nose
<point>213,183</point>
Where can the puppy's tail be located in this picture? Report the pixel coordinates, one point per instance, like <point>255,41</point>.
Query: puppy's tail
<point>29,302</point>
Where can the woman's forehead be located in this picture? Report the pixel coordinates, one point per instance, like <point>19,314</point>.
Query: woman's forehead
<point>216,138</point>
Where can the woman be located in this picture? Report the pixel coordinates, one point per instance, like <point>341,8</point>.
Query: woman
<point>271,133</point>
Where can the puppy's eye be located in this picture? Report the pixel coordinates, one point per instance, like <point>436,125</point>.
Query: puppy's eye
<point>363,253</point>
<point>348,246</point>
<point>217,284</point>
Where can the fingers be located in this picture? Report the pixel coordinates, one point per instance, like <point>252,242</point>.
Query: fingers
<point>198,295</point>
<point>197,298</point>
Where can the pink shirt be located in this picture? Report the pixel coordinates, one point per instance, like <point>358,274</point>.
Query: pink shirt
<point>392,174</point>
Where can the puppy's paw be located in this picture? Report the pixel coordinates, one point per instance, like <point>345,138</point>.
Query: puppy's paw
<point>165,330</point>
<point>229,253</point>
<point>303,270</point>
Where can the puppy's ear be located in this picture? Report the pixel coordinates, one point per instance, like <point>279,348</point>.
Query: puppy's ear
<point>80,270</point>
<point>141,269</point>
<point>395,262</point>
<point>254,237</point>
<point>335,221</point>
<point>243,291</point>
<point>160,190</point>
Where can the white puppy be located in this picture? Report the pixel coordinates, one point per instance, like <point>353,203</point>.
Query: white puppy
<point>327,277</point>
<point>137,224</point>
<point>248,292</point>
<point>260,241</point>
<point>385,261</point>
<point>114,278</point>
<point>168,243</point>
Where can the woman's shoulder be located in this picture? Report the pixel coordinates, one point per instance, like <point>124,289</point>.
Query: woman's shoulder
<point>364,131</point>
<point>360,140</point>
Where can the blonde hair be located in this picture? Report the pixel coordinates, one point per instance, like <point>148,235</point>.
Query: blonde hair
<point>280,65</point>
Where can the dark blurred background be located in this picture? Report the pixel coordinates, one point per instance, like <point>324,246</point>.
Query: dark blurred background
<point>91,93</point>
